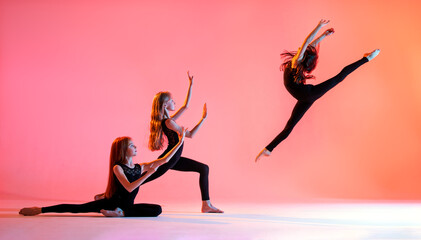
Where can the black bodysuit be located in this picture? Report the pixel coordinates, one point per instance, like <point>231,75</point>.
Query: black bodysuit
<point>307,94</point>
<point>121,198</point>
<point>181,163</point>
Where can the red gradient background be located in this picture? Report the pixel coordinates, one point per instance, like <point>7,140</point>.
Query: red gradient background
<point>74,75</point>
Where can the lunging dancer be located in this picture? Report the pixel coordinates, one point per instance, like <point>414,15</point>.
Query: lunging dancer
<point>297,68</point>
<point>124,180</point>
<point>163,124</point>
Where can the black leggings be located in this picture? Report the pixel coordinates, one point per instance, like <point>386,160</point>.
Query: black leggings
<point>186,165</point>
<point>307,95</point>
<point>134,210</point>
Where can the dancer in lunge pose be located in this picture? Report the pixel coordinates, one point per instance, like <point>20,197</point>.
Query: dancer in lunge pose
<point>297,68</point>
<point>163,124</point>
<point>124,180</point>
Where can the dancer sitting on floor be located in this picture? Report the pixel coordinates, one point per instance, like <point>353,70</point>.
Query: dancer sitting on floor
<point>124,180</point>
<point>297,68</point>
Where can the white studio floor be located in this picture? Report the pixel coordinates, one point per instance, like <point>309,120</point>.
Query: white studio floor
<point>246,221</point>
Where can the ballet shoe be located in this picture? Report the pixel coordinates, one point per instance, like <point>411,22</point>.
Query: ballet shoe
<point>262,153</point>
<point>372,55</point>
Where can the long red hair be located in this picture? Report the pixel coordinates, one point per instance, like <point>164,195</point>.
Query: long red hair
<point>117,156</point>
<point>305,66</point>
<point>156,138</point>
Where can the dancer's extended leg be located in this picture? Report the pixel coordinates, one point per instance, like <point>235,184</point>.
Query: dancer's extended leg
<point>165,167</point>
<point>94,206</point>
<point>319,90</point>
<point>297,113</point>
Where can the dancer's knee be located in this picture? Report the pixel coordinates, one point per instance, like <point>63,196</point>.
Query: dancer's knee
<point>204,169</point>
<point>157,210</point>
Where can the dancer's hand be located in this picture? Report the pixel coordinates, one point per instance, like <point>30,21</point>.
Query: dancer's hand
<point>153,166</point>
<point>190,78</point>
<point>323,22</point>
<point>205,112</point>
<point>182,134</point>
<point>99,196</point>
<point>329,32</point>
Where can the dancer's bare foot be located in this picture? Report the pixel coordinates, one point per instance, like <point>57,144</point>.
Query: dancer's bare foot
<point>264,152</point>
<point>30,211</point>
<point>113,213</point>
<point>208,208</point>
<point>99,196</point>
<point>372,55</point>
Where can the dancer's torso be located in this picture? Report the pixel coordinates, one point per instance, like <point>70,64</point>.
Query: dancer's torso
<point>122,195</point>
<point>172,137</point>
<point>297,90</point>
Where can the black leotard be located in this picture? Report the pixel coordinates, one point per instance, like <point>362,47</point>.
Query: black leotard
<point>307,94</point>
<point>121,198</point>
<point>172,137</point>
<point>179,163</point>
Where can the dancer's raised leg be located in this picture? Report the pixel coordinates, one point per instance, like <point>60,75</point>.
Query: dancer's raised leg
<point>372,54</point>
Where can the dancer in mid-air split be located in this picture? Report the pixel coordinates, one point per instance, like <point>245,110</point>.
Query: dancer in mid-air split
<point>163,124</point>
<point>124,179</point>
<point>297,68</point>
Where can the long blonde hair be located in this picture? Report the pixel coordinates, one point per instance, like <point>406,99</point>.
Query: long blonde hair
<point>156,139</point>
<point>117,156</point>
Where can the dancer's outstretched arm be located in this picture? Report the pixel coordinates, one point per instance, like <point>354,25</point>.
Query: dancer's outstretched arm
<point>166,158</point>
<point>186,102</point>
<point>171,124</point>
<point>150,167</point>
<point>300,53</point>
<point>328,32</point>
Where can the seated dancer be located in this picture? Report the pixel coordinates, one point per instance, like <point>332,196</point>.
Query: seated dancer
<point>124,180</point>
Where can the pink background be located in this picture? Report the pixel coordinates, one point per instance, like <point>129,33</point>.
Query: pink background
<point>74,75</point>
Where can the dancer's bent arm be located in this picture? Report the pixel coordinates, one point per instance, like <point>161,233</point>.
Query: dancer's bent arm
<point>300,53</point>
<point>171,124</point>
<point>186,102</point>
<point>150,167</point>
<point>167,157</point>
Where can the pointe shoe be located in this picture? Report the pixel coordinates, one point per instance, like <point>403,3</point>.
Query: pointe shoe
<point>264,152</point>
<point>372,55</point>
